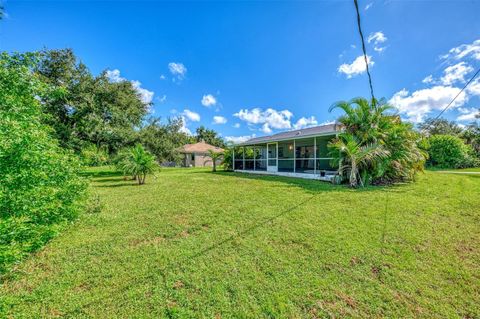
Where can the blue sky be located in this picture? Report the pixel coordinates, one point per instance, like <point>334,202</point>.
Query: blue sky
<point>254,68</point>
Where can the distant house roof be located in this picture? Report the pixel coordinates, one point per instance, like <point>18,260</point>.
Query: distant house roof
<point>306,132</point>
<point>200,147</point>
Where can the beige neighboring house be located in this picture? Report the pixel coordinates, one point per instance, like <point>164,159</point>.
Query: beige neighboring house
<point>196,155</point>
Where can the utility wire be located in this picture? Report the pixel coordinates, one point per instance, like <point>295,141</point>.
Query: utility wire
<point>364,50</point>
<point>464,87</point>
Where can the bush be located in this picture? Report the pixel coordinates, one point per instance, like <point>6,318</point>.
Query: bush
<point>227,159</point>
<point>448,151</point>
<point>41,188</point>
<point>376,147</point>
<point>94,156</point>
<point>137,162</point>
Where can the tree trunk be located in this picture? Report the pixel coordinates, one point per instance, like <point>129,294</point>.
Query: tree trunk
<point>214,165</point>
<point>353,174</point>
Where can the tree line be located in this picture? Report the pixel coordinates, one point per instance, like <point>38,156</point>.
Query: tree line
<point>97,117</point>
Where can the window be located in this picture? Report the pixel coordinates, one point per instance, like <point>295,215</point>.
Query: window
<point>285,157</point>
<point>304,156</point>
<point>306,166</point>
<point>325,165</point>
<point>238,164</point>
<point>285,165</point>
<point>304,148</point>
<point>285,150</point>
<point>322,149</point>
<point>261,165</point>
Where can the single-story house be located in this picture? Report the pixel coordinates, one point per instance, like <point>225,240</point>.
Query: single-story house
<point>299,153</point>
<point>196,155</point>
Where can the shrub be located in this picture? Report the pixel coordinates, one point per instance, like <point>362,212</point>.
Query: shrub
<point>136,162</point>
<point>41,188</point>
<point>448,151</point>
<point>376,147</point>
<point>227,161</point>
<point>94,156</point>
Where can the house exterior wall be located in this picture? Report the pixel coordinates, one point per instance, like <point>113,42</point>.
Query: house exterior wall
<point>203,160</point>
<point>198,160</point>
<point>187,160</point>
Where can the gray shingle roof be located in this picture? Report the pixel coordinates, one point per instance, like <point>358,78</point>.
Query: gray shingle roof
<point>306,132</point>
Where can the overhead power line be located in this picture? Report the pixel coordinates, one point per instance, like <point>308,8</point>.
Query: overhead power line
<point>458,94</point>
<point>364,50</point>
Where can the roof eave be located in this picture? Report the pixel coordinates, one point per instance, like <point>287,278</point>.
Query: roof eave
<point>247,143</point>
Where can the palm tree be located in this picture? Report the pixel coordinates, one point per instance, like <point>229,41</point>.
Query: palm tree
<point>353,158</point>
<point>215,156</point>
<point>366,120</point>
<point>139,162</point>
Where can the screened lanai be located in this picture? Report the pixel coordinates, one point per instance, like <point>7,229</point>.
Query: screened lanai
<point>300,153</point>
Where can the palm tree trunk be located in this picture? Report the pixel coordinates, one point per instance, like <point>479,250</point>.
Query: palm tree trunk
<point>353,174</point>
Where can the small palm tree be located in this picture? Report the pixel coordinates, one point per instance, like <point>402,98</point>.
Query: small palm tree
<point>139,162</point>
<point>215,156</point>
<point>353,158</point>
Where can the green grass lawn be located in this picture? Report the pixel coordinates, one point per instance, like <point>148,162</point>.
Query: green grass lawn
<point>194,244</point>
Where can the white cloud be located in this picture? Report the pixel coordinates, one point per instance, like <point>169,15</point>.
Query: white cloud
<point>474,87</point>
<point>420,103</point>
<point>379,49</point>
<point>327,123</point>
<point>467,114</point>
<point>190,115</point>
<point>273,118</point>
<point>209,100</point>
<point>464,51</point>
<point>455,73</point>
<point>377,38</point>
<point>146,96</point>
<point>236,125</point>
<point>368,6</point>
<point>184,127</point>
<point>238,139</point>
<point>162,99</point>
<point>356,67</point>
<point>428,79</point>
<point>266,128</point>
<point>219,120</point>
<point>114,76</point>
<point>177,69</point>
<point>162,77</point>
<point>305,122</point>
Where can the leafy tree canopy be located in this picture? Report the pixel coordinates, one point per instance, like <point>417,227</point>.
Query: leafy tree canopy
<point>209,136</point>
<point>439,127</point>
<point>163,140</point>
<point>93,109</point>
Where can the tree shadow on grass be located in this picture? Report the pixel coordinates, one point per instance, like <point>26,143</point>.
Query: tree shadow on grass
<point>113,179</point>
<point>104,173</point>
<point>132,183</point>
<point>309,185</point>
